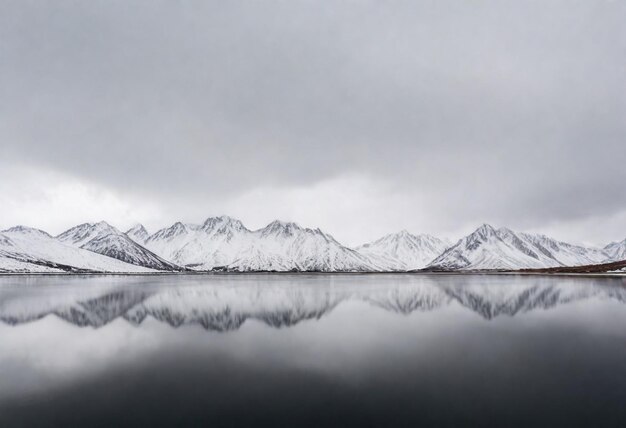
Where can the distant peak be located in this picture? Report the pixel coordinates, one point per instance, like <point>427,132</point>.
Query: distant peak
<point>103,225</point>
<point>214,219</point>
<point>222,219</point>
<point>27,230</point>
<point>482,233</point>
<point>485,228</point>
<point>402,234</point>
<point>138,232</point>
<point>168,233</point>
<point>99,225</point>
<point>281,227</point>
<point>283,224</point>
<point>178,227</point>
<point>137,228</point>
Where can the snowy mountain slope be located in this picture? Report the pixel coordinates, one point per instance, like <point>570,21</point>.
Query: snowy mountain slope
<point>287,246</point>
<point>9,264</point>
<point>225,243</point>
<point>138,233</point>
<point>403,251</point>
<point>166,242</point>
<point>566,254</point>
<point>103,238</point>
<point>616,251</point>
<point>12,260</point>
<point>33,250</point>
<point>216,242</point>
<point>488,248</point>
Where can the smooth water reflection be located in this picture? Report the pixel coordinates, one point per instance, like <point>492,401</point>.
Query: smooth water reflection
<point>312,350</point>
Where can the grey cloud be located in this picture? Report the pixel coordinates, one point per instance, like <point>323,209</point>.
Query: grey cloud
<point>507,109</point>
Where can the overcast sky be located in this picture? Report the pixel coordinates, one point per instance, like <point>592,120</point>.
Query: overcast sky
<point>359,117</point>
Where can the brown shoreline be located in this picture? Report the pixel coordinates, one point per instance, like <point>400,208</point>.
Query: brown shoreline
<point>600,268</point>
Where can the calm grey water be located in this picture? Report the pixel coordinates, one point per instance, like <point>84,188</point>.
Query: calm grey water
<point>312,350</point>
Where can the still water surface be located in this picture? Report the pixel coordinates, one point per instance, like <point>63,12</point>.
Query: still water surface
<point>317,350</point>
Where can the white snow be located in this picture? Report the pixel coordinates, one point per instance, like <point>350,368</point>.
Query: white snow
<point>104,239</point>
<point>403,251</point>
<point>34,247</point>
<point>616,251</point>
<point>138,233</point>
<point>224,243</point>
<point>488,248</point>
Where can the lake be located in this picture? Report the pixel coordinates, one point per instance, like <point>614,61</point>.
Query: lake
<point>312,350</point>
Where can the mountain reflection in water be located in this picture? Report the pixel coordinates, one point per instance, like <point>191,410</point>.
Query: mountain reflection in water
<point>224,303</point>
<point>312,350</point>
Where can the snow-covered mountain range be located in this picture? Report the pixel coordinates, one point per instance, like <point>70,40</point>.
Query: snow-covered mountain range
<point>503,249</point>
<point>226,244</point>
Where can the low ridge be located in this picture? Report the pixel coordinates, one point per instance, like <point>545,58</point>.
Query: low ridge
<point>104,239</point>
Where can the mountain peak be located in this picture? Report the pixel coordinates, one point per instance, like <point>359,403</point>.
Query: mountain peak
<point>281,227</point>
<point>104,239</point>
<point>488,248</point>
<point>403,251</point>
<point>178,227</point>
<point>103,226</point>
<point>485,228</point>
<point>221,223</point>
<point>483,232</point>
<point>169,233</point>
<point>283,223</point>
<point>138,233</point>
<point>81,234</point>
<point>222,218</point>
<point>137,228</point>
